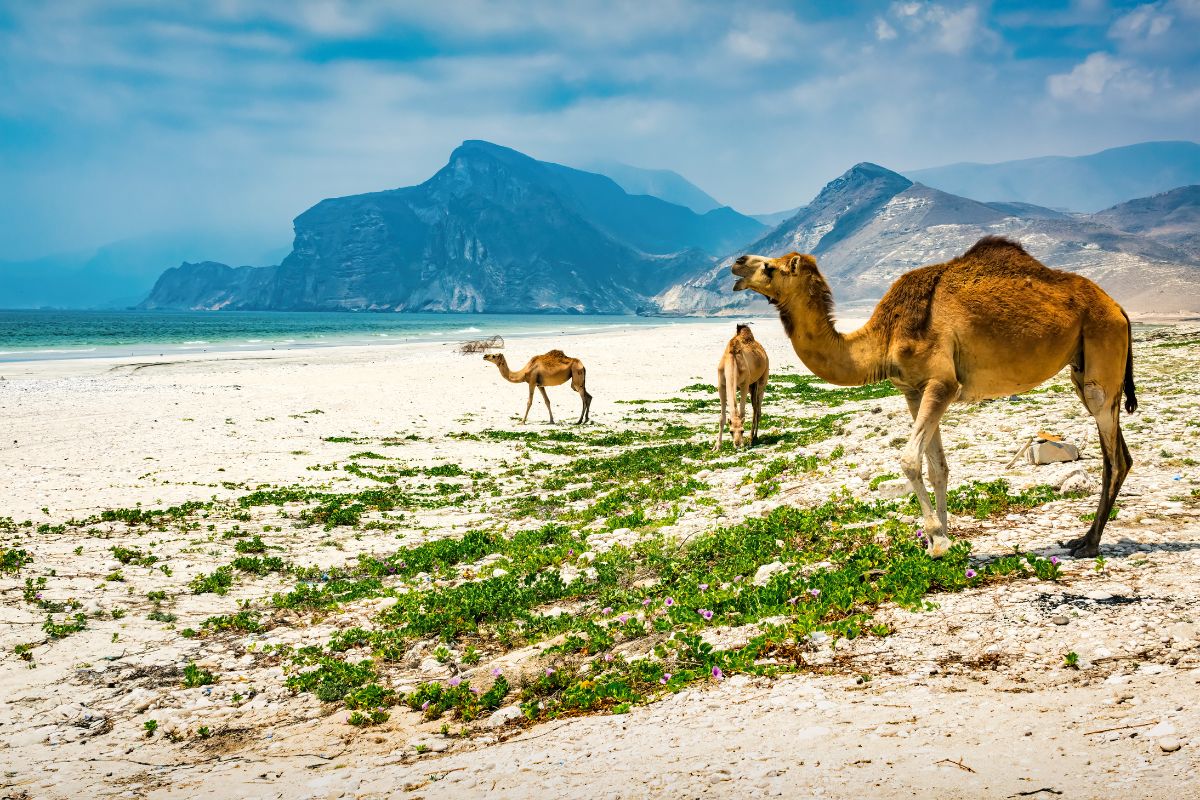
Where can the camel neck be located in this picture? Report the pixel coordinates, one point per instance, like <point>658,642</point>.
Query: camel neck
<point>844,359</point>
<point>509,375</point>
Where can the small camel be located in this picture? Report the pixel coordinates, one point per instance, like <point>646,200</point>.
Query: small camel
<point>991,323</point>
<point>743,368</point>
<point>548,369</point>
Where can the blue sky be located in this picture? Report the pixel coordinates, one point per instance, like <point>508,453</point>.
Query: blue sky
<point>119,119</point>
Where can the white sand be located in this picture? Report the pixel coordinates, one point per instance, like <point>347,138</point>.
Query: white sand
<point>82,436</point>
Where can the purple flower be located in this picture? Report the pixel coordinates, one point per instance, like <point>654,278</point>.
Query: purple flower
<point>1053,559</point>
<point>792,601</point>
<point>425,705</point>
<point>716,673</point>
<point>971,573</point>
<point>549,672</point>
<point>496,672</point>
<point>666,677</point>
<point>455,681</point>
<point>570,552</point>
<point>646,602</point>
<point>670,601</point>
<point>623,618</point>
<point>608,656</point>
<point>704,612</point>
<point>606,610</point>
<point>704,587</point>
<point>815,592</point>
<point>474,690</point>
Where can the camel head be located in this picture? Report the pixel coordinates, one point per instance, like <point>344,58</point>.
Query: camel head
<point>495,358</point>
<point>777,278</point>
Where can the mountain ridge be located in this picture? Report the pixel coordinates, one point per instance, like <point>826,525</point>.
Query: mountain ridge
<point>492,230</point>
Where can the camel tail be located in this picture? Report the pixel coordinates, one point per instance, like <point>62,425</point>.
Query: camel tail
<point>1131,402</point>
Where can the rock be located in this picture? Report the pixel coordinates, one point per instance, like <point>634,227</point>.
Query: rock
<point>430,744</point>
<point>1078,482</point>
<point>1169,744</point>
<point>1164,728</point>
<point>1099,594</point>
<point>894,489</point>
<point>1052,452</point>
<point>499,573</point>
<point>503,716</point>
<point>1059,619</point>
<point>763,576</point>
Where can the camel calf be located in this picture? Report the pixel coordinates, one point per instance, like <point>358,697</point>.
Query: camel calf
<point>743,368</point>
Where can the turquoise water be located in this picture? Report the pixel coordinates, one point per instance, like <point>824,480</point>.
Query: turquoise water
<point>38,335</point>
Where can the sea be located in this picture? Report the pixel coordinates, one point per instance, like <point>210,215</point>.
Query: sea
<point>29,335</point>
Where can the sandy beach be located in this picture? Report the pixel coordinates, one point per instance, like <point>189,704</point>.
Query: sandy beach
<point>972,697</point>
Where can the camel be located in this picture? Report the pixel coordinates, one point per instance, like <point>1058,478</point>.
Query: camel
<point>991,323</point>
<point>548,369</point>
<point>743,368</point>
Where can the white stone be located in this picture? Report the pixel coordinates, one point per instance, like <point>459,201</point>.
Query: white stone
<point>766,571</point>
<point>1078,482</point>
<point>503,716</point>
<point>894,489</point>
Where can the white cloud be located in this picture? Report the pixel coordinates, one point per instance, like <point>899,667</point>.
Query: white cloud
<point>1102,77</point>
<point>947,30</point>
<point>1147,21</point>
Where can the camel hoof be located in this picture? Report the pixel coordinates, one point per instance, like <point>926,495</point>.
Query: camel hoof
<point>1074,544</point>
<point>1084,550</point>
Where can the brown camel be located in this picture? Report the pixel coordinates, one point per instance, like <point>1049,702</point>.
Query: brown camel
<point>548,369</point>
<point>743,368</point>
<point>990,323</point>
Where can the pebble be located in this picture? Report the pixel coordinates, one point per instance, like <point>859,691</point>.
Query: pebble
<point>1169,744</point>
<point>1059,619</point>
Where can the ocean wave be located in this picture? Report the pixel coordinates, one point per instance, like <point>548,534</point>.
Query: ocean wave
<point>471,329</point>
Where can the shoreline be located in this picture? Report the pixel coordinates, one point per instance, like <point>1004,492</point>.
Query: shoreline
<point>185,351</point>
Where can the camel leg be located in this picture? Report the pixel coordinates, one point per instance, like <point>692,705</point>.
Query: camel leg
<point>546,397</point>
<point>758,389</point>
<point>1117,462</point>
<point>528,405</point>
<point>1098,385</point>
<point>927,409</point>
<point>721,416</point>
<point>578,381</point>
<point>939,474</point>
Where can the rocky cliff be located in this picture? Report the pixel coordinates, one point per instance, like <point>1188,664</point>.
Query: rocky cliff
<point>493,230</point>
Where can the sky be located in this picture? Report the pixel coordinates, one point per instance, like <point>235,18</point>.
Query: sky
<point>123,118</point>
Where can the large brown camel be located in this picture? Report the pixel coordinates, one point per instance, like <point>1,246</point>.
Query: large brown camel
<point>990,323</point>
<point>742,369</point>
<point>548,369</point>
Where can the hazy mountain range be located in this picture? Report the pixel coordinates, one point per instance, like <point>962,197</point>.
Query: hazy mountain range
<point>496,230</point>
<point>1076,183</point>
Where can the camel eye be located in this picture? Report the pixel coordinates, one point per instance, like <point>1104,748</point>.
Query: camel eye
<point>769,271</point>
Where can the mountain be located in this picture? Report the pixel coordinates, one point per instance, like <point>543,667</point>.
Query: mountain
<point>119,274</point>
<point>661,183</point>
<point>871,224</point>
<point>776,217</point>
<point>1080,183</point>
<point>1170,217</point>
<point>494,230</point>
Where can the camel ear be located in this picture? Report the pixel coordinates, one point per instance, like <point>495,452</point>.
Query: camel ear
<point>800,262</point>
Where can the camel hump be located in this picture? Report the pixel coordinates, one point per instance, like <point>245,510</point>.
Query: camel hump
<point>992,243</point>
<point>556,354</point>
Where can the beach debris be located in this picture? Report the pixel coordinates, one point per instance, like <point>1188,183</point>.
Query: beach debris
<point>481,345</point>
<point>1046,448</point>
